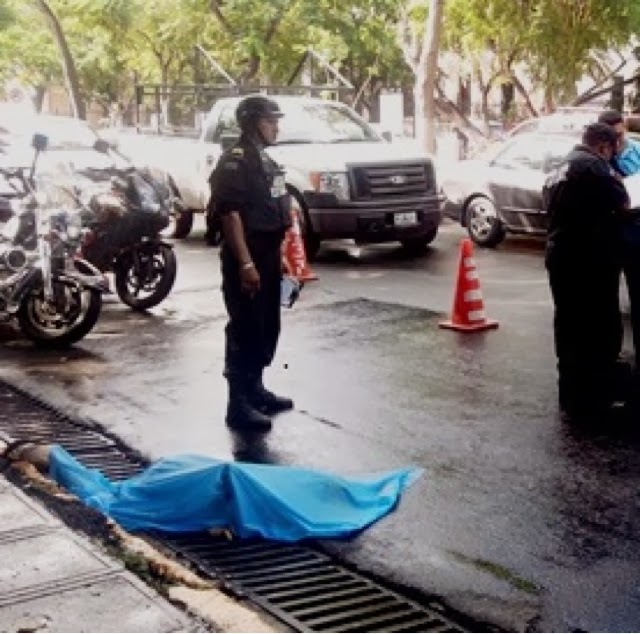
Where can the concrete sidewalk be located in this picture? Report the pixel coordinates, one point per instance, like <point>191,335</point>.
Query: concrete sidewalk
<point>53,580</point>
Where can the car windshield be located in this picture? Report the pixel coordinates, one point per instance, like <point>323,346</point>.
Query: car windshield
<point>67,134</point>
<point>537,152</point>
<point>322,123</point>
<point>63,133</point>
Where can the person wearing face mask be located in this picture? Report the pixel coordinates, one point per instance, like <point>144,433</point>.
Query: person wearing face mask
<point>583,198</point>
<point>249,194</point>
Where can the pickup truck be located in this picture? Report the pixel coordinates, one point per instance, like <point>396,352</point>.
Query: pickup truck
<point>348,180</point>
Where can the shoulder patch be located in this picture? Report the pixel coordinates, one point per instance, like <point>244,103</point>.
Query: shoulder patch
<point>237,151</point>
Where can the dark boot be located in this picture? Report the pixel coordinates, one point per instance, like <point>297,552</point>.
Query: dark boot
<point>266,401</point>
<point>241,415</point>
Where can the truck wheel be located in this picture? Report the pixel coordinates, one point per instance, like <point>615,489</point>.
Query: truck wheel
<point>183,222</point>
<point>309,237</point>
<point>418,245</point>
<point>483,223</point>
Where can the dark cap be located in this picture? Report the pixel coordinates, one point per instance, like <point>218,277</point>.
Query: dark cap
<point>255,107</point>
<point>596,133</point>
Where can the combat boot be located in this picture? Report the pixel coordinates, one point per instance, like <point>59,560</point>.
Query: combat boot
<point>266,401</point>
<point>241,415</point>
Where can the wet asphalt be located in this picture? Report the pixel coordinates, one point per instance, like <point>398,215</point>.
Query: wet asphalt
<point>518,520</point>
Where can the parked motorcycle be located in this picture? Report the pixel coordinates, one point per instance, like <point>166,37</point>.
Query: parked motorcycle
<point>129,208</point>
<point>55,296</point>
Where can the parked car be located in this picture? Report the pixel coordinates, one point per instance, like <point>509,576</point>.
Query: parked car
<point>348,181</point>
<point>563,120</point>
<point>500,191</point>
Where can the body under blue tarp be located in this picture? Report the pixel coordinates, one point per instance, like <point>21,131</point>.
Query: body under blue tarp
<point>193,493</point>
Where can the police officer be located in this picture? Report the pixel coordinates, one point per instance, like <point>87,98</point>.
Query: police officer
<point>248,190</point>
<point>583,198</point>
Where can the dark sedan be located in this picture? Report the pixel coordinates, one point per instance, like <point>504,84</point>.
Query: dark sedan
<point>501,190</point>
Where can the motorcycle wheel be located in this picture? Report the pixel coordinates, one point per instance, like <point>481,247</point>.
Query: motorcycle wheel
<point>143,281</point>
<point>50,329</point>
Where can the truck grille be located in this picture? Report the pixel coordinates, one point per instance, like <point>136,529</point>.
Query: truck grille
<point>392,180</point>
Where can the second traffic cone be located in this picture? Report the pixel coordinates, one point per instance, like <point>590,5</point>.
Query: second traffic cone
<point>468,313</point>
<point>294,250</point>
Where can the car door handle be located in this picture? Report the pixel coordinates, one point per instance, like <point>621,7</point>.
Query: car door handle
<point>209,159</point>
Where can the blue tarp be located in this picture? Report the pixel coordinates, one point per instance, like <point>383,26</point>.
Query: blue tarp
<point>194,493</point>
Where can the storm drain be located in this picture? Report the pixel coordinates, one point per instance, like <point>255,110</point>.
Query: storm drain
<point>304,588</point>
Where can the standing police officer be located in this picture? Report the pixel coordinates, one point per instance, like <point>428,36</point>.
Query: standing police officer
<point>583,198</point>
<point>249,193</point>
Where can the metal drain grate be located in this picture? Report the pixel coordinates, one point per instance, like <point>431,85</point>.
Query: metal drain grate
<point>25,417</point>
<point>307,589</point>
<point>304,588</point>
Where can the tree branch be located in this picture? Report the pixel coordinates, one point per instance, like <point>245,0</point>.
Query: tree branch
<point>525,95</point>
<point>589,94</point>
<point>579,101</point>
<point>216,8</point>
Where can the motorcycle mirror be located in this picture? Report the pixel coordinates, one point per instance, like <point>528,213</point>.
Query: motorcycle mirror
<point>40,142</point>
<point>102,146</point>
<point>227,141</point>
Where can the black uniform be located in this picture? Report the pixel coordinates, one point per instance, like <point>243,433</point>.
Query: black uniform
<point>582,259</point>
<point>246,180</point>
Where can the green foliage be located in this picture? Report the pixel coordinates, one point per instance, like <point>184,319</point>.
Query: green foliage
<point>258,41</point>
<point>554,39</point>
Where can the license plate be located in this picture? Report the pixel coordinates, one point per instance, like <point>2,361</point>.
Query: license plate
<point>405,219</point>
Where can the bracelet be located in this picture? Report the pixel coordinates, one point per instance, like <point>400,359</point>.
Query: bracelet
<point>247,265</point>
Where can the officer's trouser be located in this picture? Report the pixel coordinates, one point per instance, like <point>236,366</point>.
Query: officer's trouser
<point>254,322</point>
<point>631,268</point>
<point>587,326</point>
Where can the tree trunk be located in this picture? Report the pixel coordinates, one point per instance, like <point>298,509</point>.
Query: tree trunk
<point>419,116</point>
<point>524,94</point>
<point>68,64</point>
<point>38,97</point>
<point>507,91</point>
<point>429,62</point>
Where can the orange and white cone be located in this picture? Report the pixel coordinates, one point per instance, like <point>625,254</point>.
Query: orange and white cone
<point>468,314</point>
<point>294,252</point>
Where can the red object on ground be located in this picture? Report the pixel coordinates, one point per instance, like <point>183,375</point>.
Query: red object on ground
<point>468,314</point>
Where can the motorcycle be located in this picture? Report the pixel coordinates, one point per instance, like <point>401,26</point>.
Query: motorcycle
<point>55,296</point>
<point>129,208</point>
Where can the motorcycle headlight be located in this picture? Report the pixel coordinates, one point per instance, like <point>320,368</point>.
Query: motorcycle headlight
<point>11,228</point>
<point>335,183</point>
<point>74,226</point>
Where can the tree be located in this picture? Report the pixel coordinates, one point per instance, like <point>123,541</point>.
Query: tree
<point>420,47</point>
<point>250,27</point>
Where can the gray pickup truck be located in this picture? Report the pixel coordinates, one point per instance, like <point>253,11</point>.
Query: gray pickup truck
<point>348,180</point>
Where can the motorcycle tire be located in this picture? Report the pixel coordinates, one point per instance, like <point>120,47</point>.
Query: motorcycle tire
<point>36,331</point>
<point>161,287</point>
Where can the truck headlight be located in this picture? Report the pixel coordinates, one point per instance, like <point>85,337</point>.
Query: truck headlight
<point>335,183</point>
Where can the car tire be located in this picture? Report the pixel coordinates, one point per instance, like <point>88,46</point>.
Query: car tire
<point>182,223</point>
<point>483,222</point>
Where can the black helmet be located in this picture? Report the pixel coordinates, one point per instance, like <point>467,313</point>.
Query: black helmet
<point>250,109</point>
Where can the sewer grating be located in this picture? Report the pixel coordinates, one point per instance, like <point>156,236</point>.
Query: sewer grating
<point>303,587</point>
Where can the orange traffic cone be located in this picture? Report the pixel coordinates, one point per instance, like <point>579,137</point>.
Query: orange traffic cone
<point>294,250</point>
<point>468,313</point>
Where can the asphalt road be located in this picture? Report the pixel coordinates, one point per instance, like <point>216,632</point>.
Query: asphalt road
<point>517,520</point>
